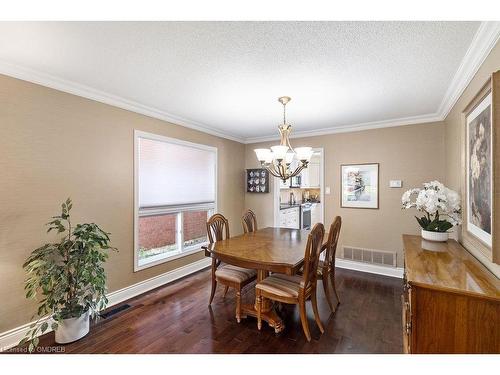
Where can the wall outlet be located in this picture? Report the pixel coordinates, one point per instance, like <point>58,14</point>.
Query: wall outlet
<point>395,183</point>
<point>327,190</point>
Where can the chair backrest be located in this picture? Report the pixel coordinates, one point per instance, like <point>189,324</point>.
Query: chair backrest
<point>249,222</point>
<point>217,226</point>
<point>333,239</point>
<point>311,256</point>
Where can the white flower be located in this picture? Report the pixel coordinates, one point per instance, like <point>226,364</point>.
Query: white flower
<point>435,199</point>
<point>453,199</point>
<point>428,200</point>
<point>435,185</point>
<point>406,198</point>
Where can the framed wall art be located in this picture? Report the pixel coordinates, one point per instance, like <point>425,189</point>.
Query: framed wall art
<point>359,185</point>
<point>480,171</point>
<point>257,181</point>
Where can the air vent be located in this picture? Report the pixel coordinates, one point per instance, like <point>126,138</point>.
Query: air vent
<point>114,311</point>
<point>379,257</point>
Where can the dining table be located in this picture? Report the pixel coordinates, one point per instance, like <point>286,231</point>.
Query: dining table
<point>266,250</point>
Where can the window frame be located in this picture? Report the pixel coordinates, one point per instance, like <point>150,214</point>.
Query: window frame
<point>171,209</point>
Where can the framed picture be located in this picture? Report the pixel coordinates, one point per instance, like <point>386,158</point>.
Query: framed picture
<point>257,181</point>
<point>359,185</point>
<point>479,176</point>
<point>480,146</point>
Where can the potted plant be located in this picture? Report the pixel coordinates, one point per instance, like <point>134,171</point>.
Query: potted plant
<point>441,208</point>
<point>69,277</point>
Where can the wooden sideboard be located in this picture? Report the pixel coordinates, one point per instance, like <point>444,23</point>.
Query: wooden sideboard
<point>451,302</point>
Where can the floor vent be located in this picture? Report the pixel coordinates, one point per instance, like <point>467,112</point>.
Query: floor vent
<point>379,257</point>
<point>114,311</point>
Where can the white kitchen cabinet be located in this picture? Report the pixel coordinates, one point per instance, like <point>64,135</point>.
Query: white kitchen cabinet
<point>313,172</point>
<point>304,178</point>
<point>310,175</point>
<point>290,218</point>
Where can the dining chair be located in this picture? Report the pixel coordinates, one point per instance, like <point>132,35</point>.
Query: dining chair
<point>296,289</point>
<point>326,267</point>
<point>228,275</point>
<point>249,222</point>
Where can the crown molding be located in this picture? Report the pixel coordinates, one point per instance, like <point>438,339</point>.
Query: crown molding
<point>486,37</point>
<point>422,119</point>
<point>40,78</point>
<point>483,42</point>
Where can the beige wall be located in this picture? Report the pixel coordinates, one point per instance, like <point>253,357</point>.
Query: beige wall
<point>454,127</point>
<point>412,153</point>
<point>54,145</point>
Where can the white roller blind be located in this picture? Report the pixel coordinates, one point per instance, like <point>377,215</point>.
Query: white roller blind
<point>173,173</point>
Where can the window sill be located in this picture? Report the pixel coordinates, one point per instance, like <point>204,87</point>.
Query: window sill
<point>168,258</point>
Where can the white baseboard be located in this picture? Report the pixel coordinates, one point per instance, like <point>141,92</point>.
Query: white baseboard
<point>12,337</point>
<point>128,292</point>
<point>370,268</point>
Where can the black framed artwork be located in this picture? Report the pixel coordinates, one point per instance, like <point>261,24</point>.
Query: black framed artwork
<point>257,180</point>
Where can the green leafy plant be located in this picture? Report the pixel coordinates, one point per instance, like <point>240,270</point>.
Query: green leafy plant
<point>434,224</point>
<point>68,275</point>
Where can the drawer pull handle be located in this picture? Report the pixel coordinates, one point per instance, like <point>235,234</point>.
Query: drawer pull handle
<point>408,328</point>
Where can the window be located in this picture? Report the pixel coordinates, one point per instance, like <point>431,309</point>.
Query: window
<point>175,194</point>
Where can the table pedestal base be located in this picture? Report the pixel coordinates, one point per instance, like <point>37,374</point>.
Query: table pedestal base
<point>267,312</point>
<point>268,315</point>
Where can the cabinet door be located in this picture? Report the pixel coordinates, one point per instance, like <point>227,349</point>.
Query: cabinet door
<point>282,219</point>
<point>304,182</point>
<point>313,175</point>
<point>292,218</point>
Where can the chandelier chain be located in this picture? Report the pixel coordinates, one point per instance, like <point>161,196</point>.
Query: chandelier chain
<point>284,113</point>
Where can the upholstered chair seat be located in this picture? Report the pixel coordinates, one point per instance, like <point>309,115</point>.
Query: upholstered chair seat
<point>234,273</point>
<point>281,285</point>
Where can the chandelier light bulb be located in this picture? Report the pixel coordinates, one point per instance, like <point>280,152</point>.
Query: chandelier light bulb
<point>304,153</point>
<point>289,157</point>
<point>263,155</point>
<point>279,152</point>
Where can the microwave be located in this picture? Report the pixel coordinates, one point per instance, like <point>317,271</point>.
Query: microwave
<point>295,182</point>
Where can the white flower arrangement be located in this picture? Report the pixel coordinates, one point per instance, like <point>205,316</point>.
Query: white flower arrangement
<point>440,205</point>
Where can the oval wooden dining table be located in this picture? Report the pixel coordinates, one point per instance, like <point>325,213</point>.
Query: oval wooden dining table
<point>265,250</point>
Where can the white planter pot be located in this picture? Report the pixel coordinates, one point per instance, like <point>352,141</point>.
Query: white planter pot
<point>72,329</point>
<point>434,236</point>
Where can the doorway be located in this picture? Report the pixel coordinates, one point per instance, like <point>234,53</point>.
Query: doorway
<point>299,203</point>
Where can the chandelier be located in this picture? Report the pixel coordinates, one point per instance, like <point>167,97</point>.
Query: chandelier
<point>278,160</point>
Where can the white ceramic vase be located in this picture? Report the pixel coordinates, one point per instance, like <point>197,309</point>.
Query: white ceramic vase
<point>434,236</point>
<point>72,329</point>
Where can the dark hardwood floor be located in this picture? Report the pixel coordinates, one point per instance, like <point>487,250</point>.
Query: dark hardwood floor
<point>176,319</point>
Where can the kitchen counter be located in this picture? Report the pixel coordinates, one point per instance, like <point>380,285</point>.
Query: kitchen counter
<point>285,206</point>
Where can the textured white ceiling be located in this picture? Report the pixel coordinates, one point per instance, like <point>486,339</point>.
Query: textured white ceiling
<point>228,75</point>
